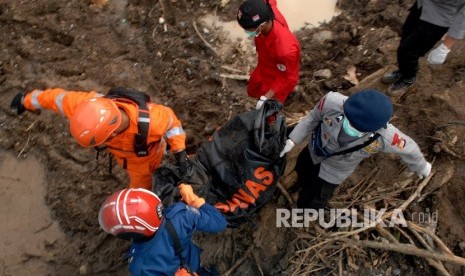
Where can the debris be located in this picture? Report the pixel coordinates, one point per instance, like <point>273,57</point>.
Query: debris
<point>323,74</point>
<point>351,75</point>
<point>99,3</point>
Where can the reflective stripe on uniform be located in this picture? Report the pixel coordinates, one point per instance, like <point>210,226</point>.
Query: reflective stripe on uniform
<point>34,100</point>
<point>59,102</point>
<point>144,120</point>
<point>174,131</point>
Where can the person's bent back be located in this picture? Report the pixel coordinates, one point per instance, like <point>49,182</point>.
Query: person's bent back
<point>161,239</point>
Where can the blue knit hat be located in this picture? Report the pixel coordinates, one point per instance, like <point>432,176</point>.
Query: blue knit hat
<point>368,110</point>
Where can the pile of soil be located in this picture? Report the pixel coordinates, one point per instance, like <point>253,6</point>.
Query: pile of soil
<point>81,46</point>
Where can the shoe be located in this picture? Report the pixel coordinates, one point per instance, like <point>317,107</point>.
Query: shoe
<point>399,87</point>
<point>391,77</point>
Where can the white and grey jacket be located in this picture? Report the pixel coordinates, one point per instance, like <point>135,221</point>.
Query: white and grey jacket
<point>335,169</point>
<point>445,13</point>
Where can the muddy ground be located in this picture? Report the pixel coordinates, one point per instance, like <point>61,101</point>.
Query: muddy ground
<point>79,46</point>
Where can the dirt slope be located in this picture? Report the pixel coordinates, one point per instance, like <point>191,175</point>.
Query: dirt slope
<point>78,46</point>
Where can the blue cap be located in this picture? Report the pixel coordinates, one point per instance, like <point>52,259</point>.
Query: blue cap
<point>368,110</point>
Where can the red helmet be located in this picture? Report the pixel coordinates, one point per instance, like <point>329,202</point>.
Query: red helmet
<point>94,120</point>
<point>131,214</point>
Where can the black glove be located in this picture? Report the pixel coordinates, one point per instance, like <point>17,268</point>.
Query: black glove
<point>17,103</point>
<point>183,162</point>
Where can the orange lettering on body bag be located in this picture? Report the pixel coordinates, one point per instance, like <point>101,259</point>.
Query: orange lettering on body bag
<point>242,199</point>
<point>266,176</point>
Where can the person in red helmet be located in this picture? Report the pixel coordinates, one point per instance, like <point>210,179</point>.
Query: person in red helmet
<point>277,71</point>
<point>134,130</point>
<point>161,239</point>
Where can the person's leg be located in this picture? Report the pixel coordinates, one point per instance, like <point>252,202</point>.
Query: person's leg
<point>255,85</point>
<point>409,31</point>
<point>321,196</point>
<point>408,28</point>
<point>416,45</point>
<point>303,163</point>
<point>315,192</point>
<point>411,23</point>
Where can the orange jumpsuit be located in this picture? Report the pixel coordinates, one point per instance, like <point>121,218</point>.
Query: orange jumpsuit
<point>164,127</point>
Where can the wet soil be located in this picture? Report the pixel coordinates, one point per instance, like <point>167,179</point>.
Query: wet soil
<point>78,45</point>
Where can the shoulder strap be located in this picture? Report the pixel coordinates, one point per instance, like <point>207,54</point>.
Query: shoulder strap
<point>143,121</point>
<point>177,245</point>
<point>357,147</point>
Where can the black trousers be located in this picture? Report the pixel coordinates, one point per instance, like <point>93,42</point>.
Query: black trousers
<point>418,37</point>
<point>315,192</point>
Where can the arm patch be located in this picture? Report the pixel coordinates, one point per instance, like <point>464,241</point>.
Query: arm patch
<point>321,104</point>
<point>398,141</point>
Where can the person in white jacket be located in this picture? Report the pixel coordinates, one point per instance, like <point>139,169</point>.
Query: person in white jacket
<point>427,22</point>
<point>346,130</point>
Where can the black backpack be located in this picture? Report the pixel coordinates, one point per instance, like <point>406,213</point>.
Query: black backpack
<point>141,148</point>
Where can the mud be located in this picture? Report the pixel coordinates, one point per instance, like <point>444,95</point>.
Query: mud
<point>81,46</point>
<point>29,235</point>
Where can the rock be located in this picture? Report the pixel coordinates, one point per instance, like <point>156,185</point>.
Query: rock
<point>396,271</point>
<point>461,245</point>
<point>323,74</point>
<point>83,269</point>
<point>323,36</point>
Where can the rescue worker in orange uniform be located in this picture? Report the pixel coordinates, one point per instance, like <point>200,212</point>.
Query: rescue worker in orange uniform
<point>97,121</point>
<point>277,71</point>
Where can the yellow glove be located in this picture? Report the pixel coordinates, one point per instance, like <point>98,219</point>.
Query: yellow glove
<point>189,197</point>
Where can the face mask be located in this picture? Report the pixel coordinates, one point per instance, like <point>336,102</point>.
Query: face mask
<point>251,34</point>
<point>350,130</point>
<point>255,33</point>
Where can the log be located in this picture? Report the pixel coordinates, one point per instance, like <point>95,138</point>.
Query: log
<point>235,76</point>
<point>285,193</point>
<point>408,250</point>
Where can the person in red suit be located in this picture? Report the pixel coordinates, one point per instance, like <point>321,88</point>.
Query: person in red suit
<point>277,71</point>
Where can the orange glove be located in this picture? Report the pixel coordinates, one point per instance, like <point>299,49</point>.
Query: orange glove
<point>189,197</point>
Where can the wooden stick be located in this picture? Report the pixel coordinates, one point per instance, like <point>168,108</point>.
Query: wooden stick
<point>339,263</point>
<point>385,233</point>
<point>235,77</point>
<point>203,39</point>
<point>402,232</point>
<point>285,193</point>
<point>231,69</point>
<point>417,192</point>
<point>431,189</point>
<point>239,262</point>
<point>30,127</point>
<point>430,233</point>
<point>408,250</point>
<point>27,143</point>
<point>258,265</point>
<point>363,180</point>
<point>436,264</point>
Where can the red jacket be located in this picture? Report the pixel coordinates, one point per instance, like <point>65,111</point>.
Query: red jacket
<point>278,60</point>
<point>164,126</point>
